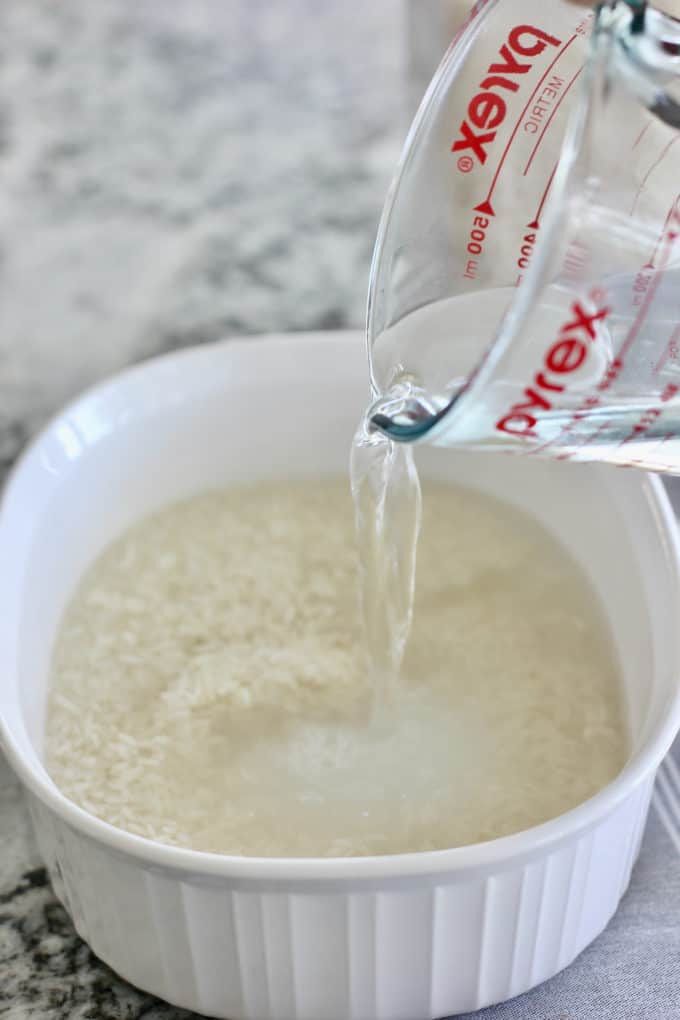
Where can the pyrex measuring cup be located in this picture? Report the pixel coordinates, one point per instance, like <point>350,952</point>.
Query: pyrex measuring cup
<point>525,290</point>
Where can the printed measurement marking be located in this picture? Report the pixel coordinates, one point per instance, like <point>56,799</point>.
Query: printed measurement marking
<point>475,245</point>
<point>671,353</point>
<point>634,331</point>
<point>549,121</point>
<point>529,240</point>
<point>576,257</point>
<point>582,411</point>
<point>642,134</point>
<point>673,214</point>
<point>583,25</point>
<point>584,442</point>
<point>649,418</point>
<point>485,206</point>
<point>612,373</point>
<point>536,221</point>
<point>641,285</point>
<point>526,251</point>
<point>651,170</point>
<point>644,423</point>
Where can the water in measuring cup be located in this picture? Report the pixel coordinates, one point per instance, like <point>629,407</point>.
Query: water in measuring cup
<point>580,381</point>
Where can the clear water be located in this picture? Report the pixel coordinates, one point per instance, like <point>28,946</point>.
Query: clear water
<point>621,405</point>
<point>387,506</point>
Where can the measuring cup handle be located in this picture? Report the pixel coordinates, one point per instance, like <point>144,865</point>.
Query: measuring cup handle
<point>647,53</point>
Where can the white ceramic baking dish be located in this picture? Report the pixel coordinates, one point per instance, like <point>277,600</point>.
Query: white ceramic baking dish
<point>412,936</point>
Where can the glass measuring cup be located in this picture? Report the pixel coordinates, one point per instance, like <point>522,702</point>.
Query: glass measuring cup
<point>525,288</point>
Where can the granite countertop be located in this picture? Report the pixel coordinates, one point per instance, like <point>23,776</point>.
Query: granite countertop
<point>174,173</point>
<point>170,174</point>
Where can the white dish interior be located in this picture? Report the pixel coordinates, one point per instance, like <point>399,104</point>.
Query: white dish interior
<point>128,449</point>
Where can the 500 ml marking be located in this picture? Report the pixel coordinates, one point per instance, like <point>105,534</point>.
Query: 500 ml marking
<point>475,246</point>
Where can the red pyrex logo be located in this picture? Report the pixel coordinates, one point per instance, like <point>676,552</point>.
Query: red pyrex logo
<point>487,109</point>
<point>567,354</point>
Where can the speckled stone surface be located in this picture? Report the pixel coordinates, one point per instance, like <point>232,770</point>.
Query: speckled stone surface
<point>174,173</point>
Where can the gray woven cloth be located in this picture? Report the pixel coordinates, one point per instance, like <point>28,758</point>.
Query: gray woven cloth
<point>632,971</point>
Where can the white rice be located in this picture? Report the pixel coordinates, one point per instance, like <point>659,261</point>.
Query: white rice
<point>209,687</point>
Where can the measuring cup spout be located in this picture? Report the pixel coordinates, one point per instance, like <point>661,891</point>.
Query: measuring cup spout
<point>405,415</point>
